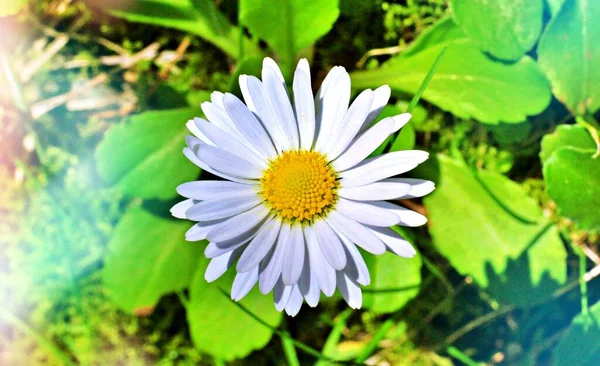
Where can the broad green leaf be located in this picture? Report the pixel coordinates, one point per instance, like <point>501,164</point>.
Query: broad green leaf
<point>221,328</point>
<point>444,31</point>
<point>555,6</point>
<point>566,136</point>
<point>142,157</point>
<point>489,229</point>
<point>199,17</point>
<point>148,258</point>
<point>467,83</point>
<point>405,139</point>
<point>289,25</point>
<point>572,177</point>
<point>579,345</point>
<point>506,29</point>
<point>568,53</point>
<point>11,7</point>
<point>507,134</point>
<point>394,279</point>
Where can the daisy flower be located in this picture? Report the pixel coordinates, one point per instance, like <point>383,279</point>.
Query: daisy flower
<point>299,193</point>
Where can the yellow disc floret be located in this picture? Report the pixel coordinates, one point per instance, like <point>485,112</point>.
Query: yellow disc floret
<point>299,186</point>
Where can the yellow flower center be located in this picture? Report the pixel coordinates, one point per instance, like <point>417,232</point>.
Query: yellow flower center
<point>299,186</point>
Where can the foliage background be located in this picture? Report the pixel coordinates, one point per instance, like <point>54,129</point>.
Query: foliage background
<point>94,98</point>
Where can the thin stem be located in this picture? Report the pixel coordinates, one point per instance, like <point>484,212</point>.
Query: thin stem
<point>583,284</point>
<point>290,351</point>
<point>334,336</point>
<point>426,81</point>
<point>477,323</point>
<point>459,355</point>
<point>374,343</point>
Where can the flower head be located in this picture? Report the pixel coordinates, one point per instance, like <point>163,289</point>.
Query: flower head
<point>299,193</point>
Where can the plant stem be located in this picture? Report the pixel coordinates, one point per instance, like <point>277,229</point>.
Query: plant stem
<point>290,351</point>
<point>426,81</point>
<point>459,355</point>
<point>334,336</point>
<point>583,284</point>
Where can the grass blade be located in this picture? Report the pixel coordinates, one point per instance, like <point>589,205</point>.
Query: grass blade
<point>426,81</point>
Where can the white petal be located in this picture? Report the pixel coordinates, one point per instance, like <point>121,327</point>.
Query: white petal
<point>367,213</point>
<point>220,208</point>
<point>343,133</point>
<point>243,283</point>
<point>380,99</point>
<point>243,81</point>
<point>394,242</point>
<point>407,217</point>
<point>226,141</point>
<point>200,230</point>
<point>334,105</point>
<point>217,98</point>
<point>305,106</point>
<point>249,126</point>
<point>382,166</point>
<point>309,285</point>
<point>280,104</point>
<point>330,245</point>
<point>259,246</point>
<point>212,189</point>
<point>180,208</point>
<point>419,187</point>
<point>294,256</point>
<point>218,117</point>
<point>219,265</point>
<point>238,225</point>
<point>366,143</point>
<point>355,232</point>
<point>256,92</point>
<point>227,163</point>
<point>329,78</point>
<point>294,302</point>
<point>350,290</point>
<point>214,250</point>
<point>270,63</point>
<point>271,268</point>
<point>387,189</point>
<point>281,295</point>
<point>191,155</point>
<point>324,272</point>
<point>197,133</point>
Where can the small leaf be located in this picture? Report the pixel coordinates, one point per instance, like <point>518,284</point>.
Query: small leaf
<point>143,157</point>
<point>572,177</point>
<point>569,52</point>
<point>579,345</point>
<point>506,29</point>
<point>201,18</point>
<point>489,229</point>
<point>222,329</point>
<point>566,136</point>
<point>394,281</point>
<point>290,25</point>
<point>467,83</point>
<point>148,258</point>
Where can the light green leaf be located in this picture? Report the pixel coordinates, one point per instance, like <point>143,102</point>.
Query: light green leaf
<point>443,31</point>
<point>143,157</point>
<point>489,229</point>
<point>290,25</point>
<point>221,328</point>
<point>572,177</point>
<point>148,258</point>
<point>569,52</point>
<point>199,17</point>
<point>555,6</point>
<point>394,279</point>
<point>579,345</point>
<point>506,29</point>
<point>467,83</point>
<point>575,136</point>
<point>405,140</point>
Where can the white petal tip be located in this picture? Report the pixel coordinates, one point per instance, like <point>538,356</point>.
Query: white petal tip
<point>401,120</point>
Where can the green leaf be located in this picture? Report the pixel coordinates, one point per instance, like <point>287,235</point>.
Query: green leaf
<point>506,29</point>
<point>572,177</point>
<point>467,83</point>
<point>443,31</point>
<point>405,140</point>
<point>575,136</point>
<point>148,258</point>
<point>489,229</point>
<point>569,52</point>
<point>290,25</point>
<point>221,328</point>
<point>555,6</point>
<point>394,280</point>
<point>201,18</point>
<point>143,157</point>
<point>579,345</point>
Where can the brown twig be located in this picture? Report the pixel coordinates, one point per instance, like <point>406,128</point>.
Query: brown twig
<point>179,52</point>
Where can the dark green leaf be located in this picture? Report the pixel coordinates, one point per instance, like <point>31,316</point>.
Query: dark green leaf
<point>569,52</point>
<point>148,258</point>
<point>506,29</point>
<point>580,345</point>
<point>467,83</point>
<point>143,157</point>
